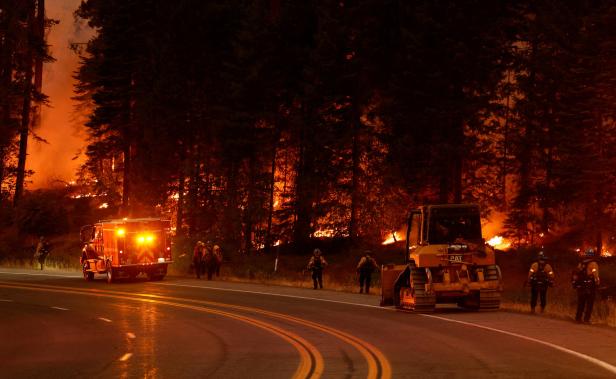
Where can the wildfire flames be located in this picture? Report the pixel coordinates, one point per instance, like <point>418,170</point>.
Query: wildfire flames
<point>395,236</point>
<point>321,233</point>
<point>499,242</point>
<point>606,252</point>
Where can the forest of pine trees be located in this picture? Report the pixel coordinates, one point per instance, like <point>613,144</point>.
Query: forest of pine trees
<point>261,122</point>
<point>23,51</point>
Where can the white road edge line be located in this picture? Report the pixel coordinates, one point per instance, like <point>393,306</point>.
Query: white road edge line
<point>33,274</point>
<point>104,319</point>
<point>585,357</point>
<point>126,357</point>
<point>60,308</point>
<point>131,335</point>
<point>6,300</point>
<point>273,294</point>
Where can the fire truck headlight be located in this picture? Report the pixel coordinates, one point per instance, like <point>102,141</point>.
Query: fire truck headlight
<point>161,260</point>
<point>145,239</point>
<point>120,232</point>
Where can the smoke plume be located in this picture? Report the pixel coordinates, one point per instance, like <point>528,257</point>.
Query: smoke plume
<point>61,156</point>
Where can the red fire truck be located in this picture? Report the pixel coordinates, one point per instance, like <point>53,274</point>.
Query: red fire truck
<point>124,248</point>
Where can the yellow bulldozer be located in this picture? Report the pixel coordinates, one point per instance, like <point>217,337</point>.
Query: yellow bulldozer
<point>447,261</point>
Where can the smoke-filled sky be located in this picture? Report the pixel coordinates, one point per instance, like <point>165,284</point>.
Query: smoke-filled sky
<point>59,125</point>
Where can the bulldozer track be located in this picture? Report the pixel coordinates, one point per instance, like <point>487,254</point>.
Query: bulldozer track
<point>421,300</point>
<point>490,300</point>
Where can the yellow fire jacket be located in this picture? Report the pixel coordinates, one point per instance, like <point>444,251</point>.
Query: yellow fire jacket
<point>547,269</point>
<point>592,270</point>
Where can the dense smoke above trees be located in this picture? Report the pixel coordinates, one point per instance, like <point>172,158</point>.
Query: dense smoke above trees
<point>272,121</point>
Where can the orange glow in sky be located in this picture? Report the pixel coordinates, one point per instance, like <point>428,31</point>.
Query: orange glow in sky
<point>60,125</point>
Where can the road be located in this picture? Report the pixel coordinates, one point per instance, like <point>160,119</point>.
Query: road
<point>55,325</point>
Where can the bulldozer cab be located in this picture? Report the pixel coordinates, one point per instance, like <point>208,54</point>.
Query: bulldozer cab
<point>443,225</point>
<point>447,225</point>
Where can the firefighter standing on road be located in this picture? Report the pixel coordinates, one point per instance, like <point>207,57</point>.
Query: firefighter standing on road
<point>540,277</point>
<point>316,264</point>
<point>198,258</point>
<point>365,268</point>
<point>218,257</point>
<point>586,281</point>
<point>210,262</point>
<point>42,251</point>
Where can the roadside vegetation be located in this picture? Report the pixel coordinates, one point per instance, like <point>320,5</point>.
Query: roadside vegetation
<point>55,213</point>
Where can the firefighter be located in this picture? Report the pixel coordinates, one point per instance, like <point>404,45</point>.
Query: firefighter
<point>218,257</point>
<point>540,277</point>
<point>316,264</point>
<point>365,268</point>
<point>42,251</point>
<point>210,262</point>
<point>586,281</point>
<point>198,258</point>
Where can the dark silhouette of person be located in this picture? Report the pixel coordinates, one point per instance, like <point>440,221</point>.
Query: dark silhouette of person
<point>316,264</point>
<point>366,266</point>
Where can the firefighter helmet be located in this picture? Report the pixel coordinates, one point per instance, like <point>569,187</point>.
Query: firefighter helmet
<point>541,256</point>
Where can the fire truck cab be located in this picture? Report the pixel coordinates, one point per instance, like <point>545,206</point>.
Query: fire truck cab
<point>124,248</point>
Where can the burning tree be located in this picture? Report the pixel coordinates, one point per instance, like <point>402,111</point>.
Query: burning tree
<point>23,50</point>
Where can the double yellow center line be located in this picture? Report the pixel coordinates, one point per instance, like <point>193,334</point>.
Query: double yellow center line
<point>311,361</point>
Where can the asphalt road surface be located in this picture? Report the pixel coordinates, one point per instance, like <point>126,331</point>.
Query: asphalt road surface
<point>55,325</point>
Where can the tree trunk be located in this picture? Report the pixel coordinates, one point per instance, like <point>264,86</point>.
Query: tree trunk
<point>26,108</point>
<point>180,209</point>
<point>546,217</point>
<point>231,216</point>
<point>38,61</point>
<point>524,155</point>
<point>193,190</point>
<point>505,145</point>
<point>6,77</point>
<point>303,196</point>
<point>270,214</point>
<point>443,192</point>
<point>353,230</point>
<point>126,154</point>
<point>457,176</point>
<point>457,143</point>
<point>2,158</point>
<point>249,210</point>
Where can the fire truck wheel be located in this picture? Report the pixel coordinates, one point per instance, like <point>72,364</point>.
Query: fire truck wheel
<point>110,273</point>
<point>87,275</point>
